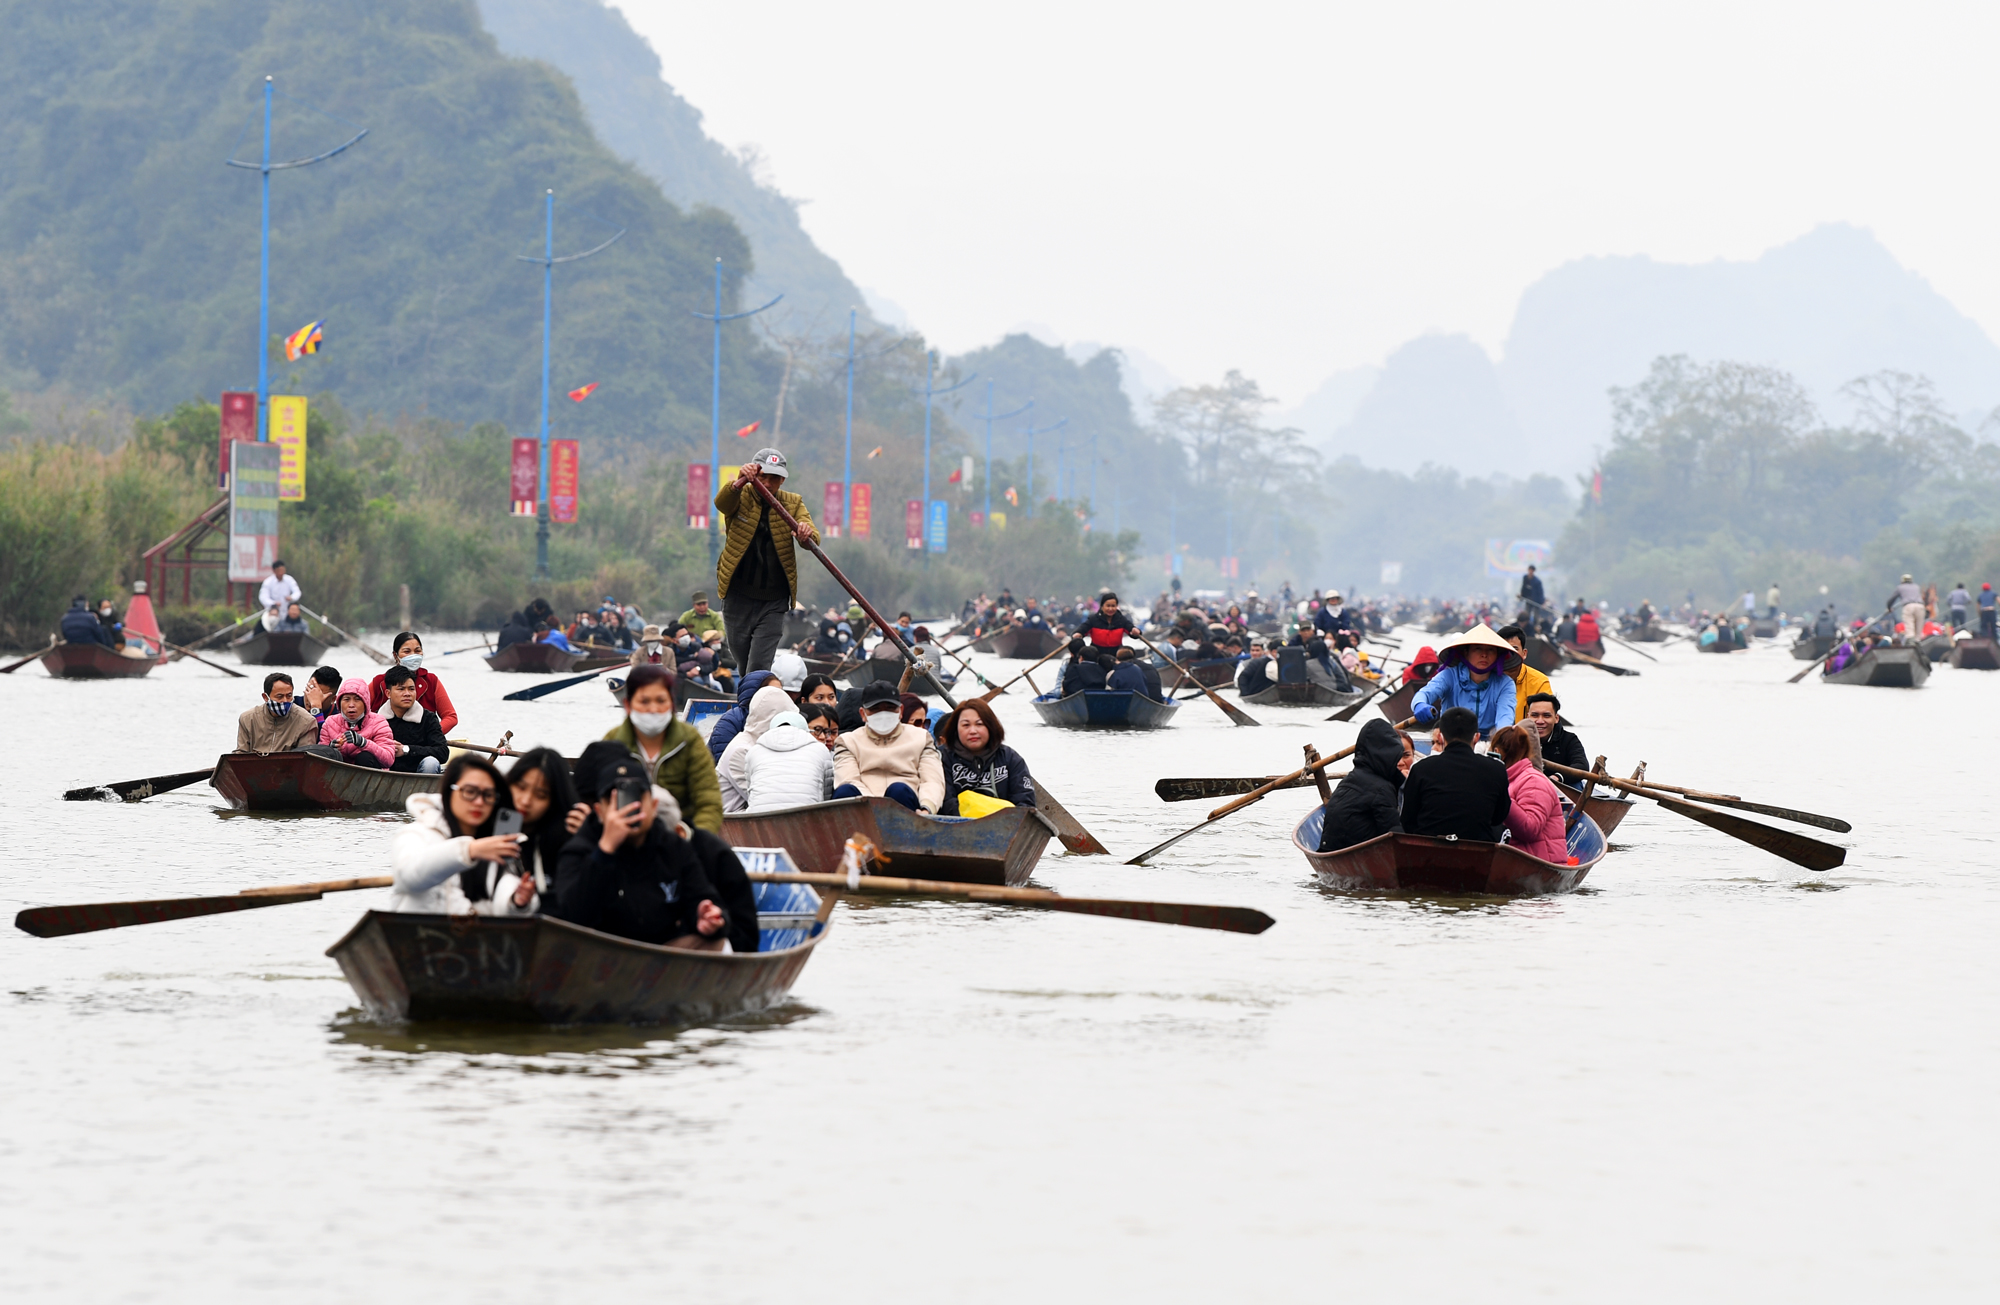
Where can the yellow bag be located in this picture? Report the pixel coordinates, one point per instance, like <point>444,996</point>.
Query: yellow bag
<point>976,806</point>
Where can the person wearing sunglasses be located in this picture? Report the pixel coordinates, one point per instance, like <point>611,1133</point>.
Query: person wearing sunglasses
<point>449,861</point>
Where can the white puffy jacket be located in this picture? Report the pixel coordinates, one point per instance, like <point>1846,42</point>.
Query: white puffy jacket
<point>788,767</point>
<point>426,860</point>
<point>766,705</point>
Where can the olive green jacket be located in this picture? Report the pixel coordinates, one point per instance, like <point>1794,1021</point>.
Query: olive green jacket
<point>685,770</point>
<point>742,528</point>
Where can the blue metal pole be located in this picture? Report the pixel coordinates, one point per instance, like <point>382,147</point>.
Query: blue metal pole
<point>548,310</point>
<point>930,359</point>
<point>847,463</point>
<point>1093,476</point>
<point>1031,468</point>
<point>988,512</point>
<point>264,288</point>
<point>715,423</point>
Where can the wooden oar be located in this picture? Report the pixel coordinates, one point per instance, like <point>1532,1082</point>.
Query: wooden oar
<point>1648,787</point>
<point>380,657</point>
<point>953,654</point>
<point>1199,790</point>
<point>1622,644</point>
<point>189,652</point>
<point>11,667</point>
<point>137,790</point>
<point>991,694</point>
<point>1588,660</point>
<point>1254,795</point>
<point>1068,829</point>
<point>1796,848</point>
<point>90,917</point>
<point>1237,714</point>
<point>544,690</point>
<point>1234,919</point>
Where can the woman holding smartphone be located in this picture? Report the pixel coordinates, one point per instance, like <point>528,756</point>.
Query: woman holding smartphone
<point>540,785</point>
<point>462,853</point>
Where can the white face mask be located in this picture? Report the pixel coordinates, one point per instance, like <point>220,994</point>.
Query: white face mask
<point>884,722</point>
<point>651,722</point>
<point>413,661</point>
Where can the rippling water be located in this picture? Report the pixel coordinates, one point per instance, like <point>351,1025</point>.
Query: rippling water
<point>1707,1075</point>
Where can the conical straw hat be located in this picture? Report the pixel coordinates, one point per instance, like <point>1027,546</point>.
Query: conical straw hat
<point>1452,651</point>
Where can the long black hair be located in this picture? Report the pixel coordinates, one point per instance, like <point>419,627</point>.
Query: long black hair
<point>550,833</point>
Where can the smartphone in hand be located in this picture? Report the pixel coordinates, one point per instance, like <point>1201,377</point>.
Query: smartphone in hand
<point>506,824</point>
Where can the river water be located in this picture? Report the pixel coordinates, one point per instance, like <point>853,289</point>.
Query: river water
<point>1709,1074</point>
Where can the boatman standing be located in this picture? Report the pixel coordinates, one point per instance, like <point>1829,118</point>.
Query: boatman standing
<point>757,576</point>
<point>278,589</point>
<point>1535,599</point>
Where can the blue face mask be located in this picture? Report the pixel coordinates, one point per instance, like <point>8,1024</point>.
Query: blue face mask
<point>412,662</point>
<point>278,708</point>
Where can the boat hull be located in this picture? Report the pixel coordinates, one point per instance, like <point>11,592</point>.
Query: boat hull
<point>1024,643</point>
<point>1105,710</point>
<point>1976,655</point>
<point>1606,812</point>
<point>1813,648</point>
<point>1937,647</point>
<point>1595,648</point>
<point>1887,666</point>
<point>1397,705</point>
<point>1307,694</point>
<point>540,970</point>
<point>279,648</point>
<point>533,659</point>
<point>299,781</point>
<point>999,849</point>
<point>890,669</point>
<point>1542,654</point>
<point>93,661</point>
<point>1215,673</point>
<point>1414,863</point>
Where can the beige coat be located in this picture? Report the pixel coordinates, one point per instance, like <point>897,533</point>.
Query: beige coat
<point>257,730</point>
<point>871,762</point>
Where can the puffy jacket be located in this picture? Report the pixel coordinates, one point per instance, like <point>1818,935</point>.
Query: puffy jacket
<point>1453,686</point>
<point>788,767</point>
<point>766,705</point>
<point>80,625</point>
<point>730,722</point>
<point>998,772</point>
<point>1586,628</point>
<point>647,892</point>
<point>739,520</point>
<point>1107,630</point>
<point>431,867</point>
<point>1129,678</point>
<point>430,695</point>
<point>374,731</point>
<point>871,762</point>
<point>684,769</point>
<point>1534,813</point>
<point>1255,677</point>
<point>1083,674</point>
<point>424,737</point>
<point>257,730</point>
<point>1366,804</point>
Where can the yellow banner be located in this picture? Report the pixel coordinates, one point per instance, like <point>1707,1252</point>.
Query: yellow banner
<point>998,520</point>
<point>288,432</point>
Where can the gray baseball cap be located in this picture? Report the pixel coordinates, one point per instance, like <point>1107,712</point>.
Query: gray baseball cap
<point>771,463</point>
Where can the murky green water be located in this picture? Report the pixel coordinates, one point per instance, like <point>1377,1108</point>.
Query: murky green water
<point>1708,1076</point>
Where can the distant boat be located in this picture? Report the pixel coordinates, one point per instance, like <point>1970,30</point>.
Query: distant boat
<point>533,658</point>
<point>94,661</point>
<point>998,849</point>
<point>263,647</point>
<point>1885,666</point>
<point>1105,709</point>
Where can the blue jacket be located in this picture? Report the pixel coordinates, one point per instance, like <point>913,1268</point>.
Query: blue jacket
<point>80,625</point>
<point>730,723</point>
<point>1128,678</point>
<point>1453,686</point>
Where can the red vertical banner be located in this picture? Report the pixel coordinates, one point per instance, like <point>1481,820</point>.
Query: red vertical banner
<point>526,477</point>
<point>699,499</point>
<point>239,426</point>
<point>830,507</point>
<point>862,503</point>
<point>975,519</point>
<point>564,460</point>
<point>913,524</point>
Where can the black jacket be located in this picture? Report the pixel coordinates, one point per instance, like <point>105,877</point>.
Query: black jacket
<point>998,772</point>
<point>1364,806</point>
<point>1135,677</point>
<point>423,738</point>
<point>647,893</point>
<point>1255,677</point>
<point>1456,791</point>
<point>1564,748</point>
<point>734,893</point>
<point>1082,674</point>
<point>518,629</point>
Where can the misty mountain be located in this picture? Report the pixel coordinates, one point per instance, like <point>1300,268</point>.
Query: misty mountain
<point>1438,399</point>
<point>646,122</point>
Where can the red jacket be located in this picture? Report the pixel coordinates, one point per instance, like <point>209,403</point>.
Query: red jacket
<point>1586,628</point>
<point>430,693</point>
<point>1107,630</point>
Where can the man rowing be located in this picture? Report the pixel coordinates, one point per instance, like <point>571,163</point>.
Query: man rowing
<point>1473,673</point>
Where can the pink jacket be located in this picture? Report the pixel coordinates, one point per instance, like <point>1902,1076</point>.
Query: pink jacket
<point>374,730</point>
<point>1534,814</point>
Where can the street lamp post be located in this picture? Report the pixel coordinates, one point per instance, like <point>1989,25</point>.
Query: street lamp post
<point>930,360</point>
<point>1031,459</point>
<point>992,417</point>
<point>715,406</point>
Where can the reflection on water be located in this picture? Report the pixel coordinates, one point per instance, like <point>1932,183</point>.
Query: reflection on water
<point>620,1044</point>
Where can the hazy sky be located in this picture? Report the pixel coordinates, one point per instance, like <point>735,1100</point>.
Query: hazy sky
<point>1296,189</point>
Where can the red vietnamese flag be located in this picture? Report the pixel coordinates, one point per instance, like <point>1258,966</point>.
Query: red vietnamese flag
<point>749,430</point>
<point>953,478</point>
<point>583,392</point>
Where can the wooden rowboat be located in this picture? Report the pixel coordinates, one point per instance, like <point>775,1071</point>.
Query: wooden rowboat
<point>1607,812</point>
<point>1412,862</point>
<point>1976,655</point>
<point>1595,648</point>
<point>1542,654</point>
<point>1307,694</point>
<point>1885,666</point>
<point>1764,627</point>
<point>540,970</point>
<point>1937,647</point>
<point>94,661</point>
<point>299,781</point>
<point>1813,648</point>
<point>263,647</point>
<point>1215,673</point>
<point>1105,709</point>
<point>533,658</point>
<point>1023,642</point>
<point>999,849</point>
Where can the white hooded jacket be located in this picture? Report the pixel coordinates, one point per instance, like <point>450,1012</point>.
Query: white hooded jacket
<point>766,705</point>
<point>788,767</point>
<point>426,860</point>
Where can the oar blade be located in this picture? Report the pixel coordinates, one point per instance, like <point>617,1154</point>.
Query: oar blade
<point>1152,852</point>
<point>1069,830</point>
<point>1347,713</point>
<point>1796,848</point>
<point>1196,790</point>
<point>92,917</point>
<point>544,690</point>
<point>1232,919</point>
<point>137,790</point>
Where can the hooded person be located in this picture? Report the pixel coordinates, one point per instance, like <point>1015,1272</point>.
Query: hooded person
<point>361,736</point>
<point>80,624</point>
<point>787,766</point>
<point>887,757</point>
<point>1474,670</point>
<point>1367,803</point>
<point>766,705</point>
<point>730,722</point>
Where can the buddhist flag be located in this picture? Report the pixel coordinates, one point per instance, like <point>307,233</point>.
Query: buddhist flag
<point>875,451</point>
<point>749,430</point>
<point>307,339</point>
<point>583,392</point>
<point>1012,497</point>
